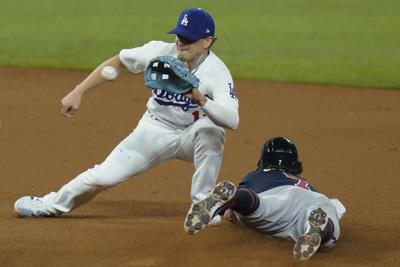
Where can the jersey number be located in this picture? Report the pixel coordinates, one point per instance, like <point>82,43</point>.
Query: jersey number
<point>300,182</point>
<point>196,115</point>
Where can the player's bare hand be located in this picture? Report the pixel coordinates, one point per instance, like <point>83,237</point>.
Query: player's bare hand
<point>70,104</point>
<point>197,97</point>
<point>230,216</point>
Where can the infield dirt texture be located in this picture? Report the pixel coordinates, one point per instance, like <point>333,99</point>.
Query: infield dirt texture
<point>348,141</point>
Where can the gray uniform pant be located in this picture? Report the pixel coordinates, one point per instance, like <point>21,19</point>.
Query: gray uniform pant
<point>283,212</point>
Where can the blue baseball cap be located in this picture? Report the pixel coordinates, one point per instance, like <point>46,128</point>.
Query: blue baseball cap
<point>194,24</point>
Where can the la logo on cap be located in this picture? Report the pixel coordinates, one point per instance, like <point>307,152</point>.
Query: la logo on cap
<point>185,21</point>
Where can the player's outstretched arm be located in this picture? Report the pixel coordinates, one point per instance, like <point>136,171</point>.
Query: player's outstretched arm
<point>71,102</point>
<point>223,111</point>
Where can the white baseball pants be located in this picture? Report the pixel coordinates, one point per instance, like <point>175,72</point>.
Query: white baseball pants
<point>151,142</point>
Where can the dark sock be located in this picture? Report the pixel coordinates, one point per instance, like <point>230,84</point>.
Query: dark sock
<point>246,201</point>
<point>327,234</point>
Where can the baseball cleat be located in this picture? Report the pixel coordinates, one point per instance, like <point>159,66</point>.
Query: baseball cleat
<point>310,241</point>
<point>201,213</point>
<point>30,206</point>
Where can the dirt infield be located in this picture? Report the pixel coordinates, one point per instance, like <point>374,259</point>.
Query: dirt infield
<point>349,142</point>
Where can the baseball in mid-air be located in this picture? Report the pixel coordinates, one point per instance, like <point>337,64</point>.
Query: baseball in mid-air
<point>109,73</point>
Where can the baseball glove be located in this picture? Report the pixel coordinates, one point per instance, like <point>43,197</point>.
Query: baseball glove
<point>170,74</point>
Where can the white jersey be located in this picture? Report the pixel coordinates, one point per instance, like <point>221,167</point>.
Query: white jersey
<point>215,83</point>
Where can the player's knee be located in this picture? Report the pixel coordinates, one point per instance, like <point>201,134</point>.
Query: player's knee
<point>209,140</point>
<point>98,178</point>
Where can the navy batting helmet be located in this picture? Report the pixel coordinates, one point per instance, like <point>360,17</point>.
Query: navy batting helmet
<point>280,153</point>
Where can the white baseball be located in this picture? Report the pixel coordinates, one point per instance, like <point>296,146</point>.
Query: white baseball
<point>109,73</point>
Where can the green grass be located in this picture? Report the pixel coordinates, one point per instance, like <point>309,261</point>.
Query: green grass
<point>345,42</point>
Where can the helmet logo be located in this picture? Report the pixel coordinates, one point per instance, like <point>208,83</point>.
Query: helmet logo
<point>185,20</point>
<point>280,153</point>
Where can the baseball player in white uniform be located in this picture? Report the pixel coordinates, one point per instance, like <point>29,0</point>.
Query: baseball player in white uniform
<point>189,127</point>
<point>273,199</point>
